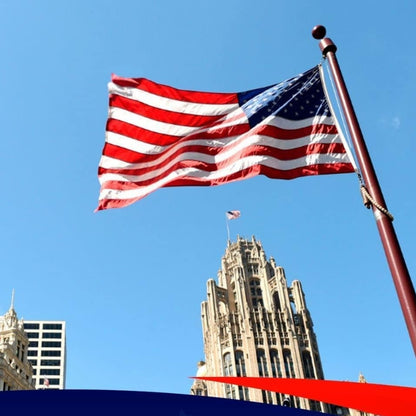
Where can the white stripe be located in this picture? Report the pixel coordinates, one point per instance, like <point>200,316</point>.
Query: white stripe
<point>169,103</point>
<point>233,118</point>
<point>287,124</point>
<point>146,148</point>
<point>202,158</point>
<point>133,144</point>
<point>237,166</point>
<point>243,141</point>
<point>149,124</point>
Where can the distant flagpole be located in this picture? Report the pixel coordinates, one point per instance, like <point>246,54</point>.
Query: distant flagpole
<point>371,190</point>
<point>228,228</point>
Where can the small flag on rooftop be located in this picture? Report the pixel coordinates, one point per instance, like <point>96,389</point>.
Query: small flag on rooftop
<point>232,215</point>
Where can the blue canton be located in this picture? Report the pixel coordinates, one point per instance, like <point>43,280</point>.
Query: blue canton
<point>298,98</point>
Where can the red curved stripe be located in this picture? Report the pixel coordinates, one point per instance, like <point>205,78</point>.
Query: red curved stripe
<point>380,399</point>
<point>252,150</point>
<point>161,115</point>
<point>176,93</point>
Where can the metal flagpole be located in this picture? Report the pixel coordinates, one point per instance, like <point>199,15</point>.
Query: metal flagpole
<point>228,228</point>
<point>395,259</point>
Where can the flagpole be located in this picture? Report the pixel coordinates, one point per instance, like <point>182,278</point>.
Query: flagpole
<point>395,259</point>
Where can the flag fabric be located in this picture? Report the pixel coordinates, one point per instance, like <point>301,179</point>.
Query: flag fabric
<point>232,215</point>
<point>46,382</point>
<point>159,136</point>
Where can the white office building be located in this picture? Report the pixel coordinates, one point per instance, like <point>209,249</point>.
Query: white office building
<point>47,352</point>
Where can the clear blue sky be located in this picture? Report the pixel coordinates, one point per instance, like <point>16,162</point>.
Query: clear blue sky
<point>129,282</point>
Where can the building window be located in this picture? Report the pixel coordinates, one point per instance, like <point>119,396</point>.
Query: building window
<point>51,343</point>
<point>51,335</point>
<point>33,362</point>
<point>287,357</point>
<point>32,353</point>
<point>241,372</point>
<point>240,364</point>
<point>52,326</point>
<point>262,363</point>
<point>276,301</point>
<point>253,269</point>
<point>267,396</point>
<point>315,406</point>
<point>263,372</point>
<point>237,340</point>
<point>33,344</point>
<point>32,334</point>
<point>256,293</point>
<point>228,366</point>
<point>228,371</point>
<point>307,365</point>
<point>52,381</point>
<point>50,371</point>
<point>31,326</point>
<point>49,353</point>
<point>50,362</point>
<point>275,362</point>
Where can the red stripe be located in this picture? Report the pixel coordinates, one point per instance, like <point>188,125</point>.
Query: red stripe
<point>318,169</point>
<point>175,93</point>
<point>317,148</point>
<point>135,157</point>
<point>207,167</point>
<point>147,136</point>
<point>157,139</point>
<point>243,174</point>
<point>288,134</point>
<point>164,116</point>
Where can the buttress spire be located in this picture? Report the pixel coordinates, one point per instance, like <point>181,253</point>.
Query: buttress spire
<point>12,301</point>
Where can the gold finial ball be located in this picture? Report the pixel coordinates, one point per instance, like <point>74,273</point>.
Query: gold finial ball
<point>319,32</point>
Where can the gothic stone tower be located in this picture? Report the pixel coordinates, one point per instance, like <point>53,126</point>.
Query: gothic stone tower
<point>15,370</point>
<point>255,325</point>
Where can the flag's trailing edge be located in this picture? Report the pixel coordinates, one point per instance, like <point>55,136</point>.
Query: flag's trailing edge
<point>159,136</point>
<point>232,215</point>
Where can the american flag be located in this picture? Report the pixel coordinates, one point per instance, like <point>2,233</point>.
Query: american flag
<point>232,215</point>
<point>158,136</point>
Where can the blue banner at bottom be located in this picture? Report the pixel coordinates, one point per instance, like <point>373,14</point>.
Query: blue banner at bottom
<point>113,402</point>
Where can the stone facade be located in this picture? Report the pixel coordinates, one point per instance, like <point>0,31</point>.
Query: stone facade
<point>255,325</point>
<point>15,369</point>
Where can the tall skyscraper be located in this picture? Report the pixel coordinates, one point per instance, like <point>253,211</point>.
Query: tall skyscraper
<point>254,324</point>
<point>47,352</point>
